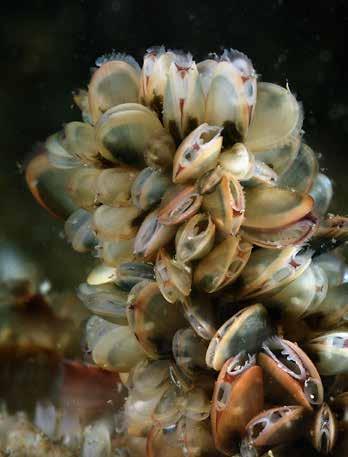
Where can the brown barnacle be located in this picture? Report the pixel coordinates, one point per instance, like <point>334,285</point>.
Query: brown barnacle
<point>276,426</point>
<point>237,398</point>
<point>179,203</point>
<point>226,205</point>
<point>288,365</point>
<point>323,431</point>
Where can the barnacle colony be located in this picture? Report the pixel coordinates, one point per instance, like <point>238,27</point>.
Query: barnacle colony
<point>194,187</point>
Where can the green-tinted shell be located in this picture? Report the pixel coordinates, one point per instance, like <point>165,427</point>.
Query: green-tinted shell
<point>123,132</point>
<point>222,265</point>
<point>244,331</point>
<point>114,83</point>
<point>153,320</point>
<point>149,187</point>
<point>48,186</point>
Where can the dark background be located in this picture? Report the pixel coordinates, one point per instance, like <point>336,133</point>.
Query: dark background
<point>49,46</point>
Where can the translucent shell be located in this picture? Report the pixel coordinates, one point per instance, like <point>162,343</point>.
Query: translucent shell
<point>114,347</point>
<point>79,140</point>
<point>277,217</point>
<point>197,404</point>
<point>277,119</point>
<point>57,153</point>
<point>80,97</point>
<point>82,186</point>
<point>123,132</point>
<point>222,265</point>
<point>302,173</point>
<point>201,314</point>
<point>19,276</point>
<point>48,186</point>
<point>197,154</point>
<point>101,274</point>
<point>333,230</point>
<point>79,232</point>
<point>113,253</point>
<point>195,238</point>
<point>335,269</point>
<point>150,375</point>
<point>231,96</point>
<point>244,331</point>
<point>130,273</point>
<point>276,426</point>
<point>139,409</point>
<point>114,83</point>
<point>333,310</point>
<point>206,70</point>
<point>173,278</point>
<point>280,158</point>
<point>268,208</point>
<point>159,152</point>
<point>169,408</point>
<point>324,430</point>
<point>268,270</point>
<point>303,295</point>
<point>152,235</point>
<point>289,367</point>
<point>106,301</point>
<point>154,77</point>
<point>183,106</point>
<point>237,398</point>
<point>330,351</point>
<point>322,193</point>
<point>238,161</point>
<point>209,180</point>
<point>226,205</point>
<point>149,187</point>
<point>97,438</point>
<point>153,320</point>
<point>179,204</point>
<point>114,186</point>
<point>112,224</point>
<point>189,352</point>
<point>195,438</point>
<point>164,441</point>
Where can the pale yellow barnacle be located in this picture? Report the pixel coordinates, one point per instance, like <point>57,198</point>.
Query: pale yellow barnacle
<point>115,82</point>
<point>154,76</point>
<point>197,154</point>
<point>232,95</point>
<point>277,120</point>
<point>123,132</point>
<point>183,107</point>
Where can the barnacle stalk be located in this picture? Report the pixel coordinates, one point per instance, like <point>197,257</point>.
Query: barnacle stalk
<point>193,185</point>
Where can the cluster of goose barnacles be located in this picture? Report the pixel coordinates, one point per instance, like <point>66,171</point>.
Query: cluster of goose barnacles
<point>218,297</point>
